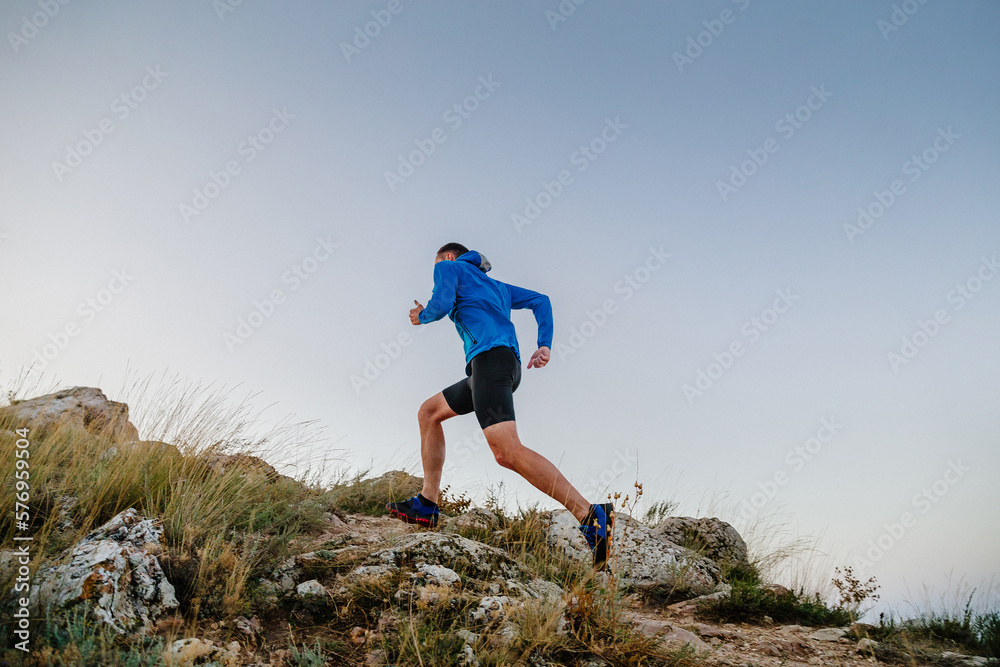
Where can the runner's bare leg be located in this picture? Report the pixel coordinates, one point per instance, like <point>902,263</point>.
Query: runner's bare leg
<point>534,467</point>
<point>432,449</point>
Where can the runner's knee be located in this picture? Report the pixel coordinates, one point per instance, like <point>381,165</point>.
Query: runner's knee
<point>504,456</point>
<point>504,443</point>
<point>432,411</point>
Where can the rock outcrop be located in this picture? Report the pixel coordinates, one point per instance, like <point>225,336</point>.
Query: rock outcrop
<point>85,408</point>
<point>712,538</point>
<point>244,464</point>
<point>640,559</point>
<point>115,568</point>
<point>430,559</point>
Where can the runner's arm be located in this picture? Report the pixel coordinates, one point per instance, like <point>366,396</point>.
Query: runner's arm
<point>540,306</point>
<point>444,295</point>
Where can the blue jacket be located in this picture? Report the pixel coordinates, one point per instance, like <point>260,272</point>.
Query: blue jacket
<point>480,306</point>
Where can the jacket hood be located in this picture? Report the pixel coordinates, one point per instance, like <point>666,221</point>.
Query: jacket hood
<point>476,259</point>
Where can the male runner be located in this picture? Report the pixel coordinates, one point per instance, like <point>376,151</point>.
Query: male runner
<point>480,307</point>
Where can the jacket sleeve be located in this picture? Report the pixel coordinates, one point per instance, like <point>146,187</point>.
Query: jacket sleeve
<point>443,296</point>
<point>540,306</point>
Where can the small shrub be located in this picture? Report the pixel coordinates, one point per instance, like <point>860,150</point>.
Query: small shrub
<point>658,511</point>
<point>924,637</point>
<point>987,628</point>
<point>73,637</point>
<point>745,573</point>
<point>458,505</point>
<point>854,592</point>
<point>307,657</point>
<point>749,603</point>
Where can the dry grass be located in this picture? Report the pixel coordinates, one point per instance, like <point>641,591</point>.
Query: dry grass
<point>220,523</point>
<point>227,525</point>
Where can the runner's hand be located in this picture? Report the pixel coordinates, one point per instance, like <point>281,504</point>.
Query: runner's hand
<point>539,358</point>
<point>415,312</point>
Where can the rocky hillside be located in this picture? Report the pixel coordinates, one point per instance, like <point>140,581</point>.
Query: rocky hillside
<point>147,553</point>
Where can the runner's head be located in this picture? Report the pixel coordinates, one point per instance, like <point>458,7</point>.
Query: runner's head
<point>450,252</point>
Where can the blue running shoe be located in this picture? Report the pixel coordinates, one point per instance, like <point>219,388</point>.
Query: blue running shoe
<point>596,528</point>
<point>416,510</point>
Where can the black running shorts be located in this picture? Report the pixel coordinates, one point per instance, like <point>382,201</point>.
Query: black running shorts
<point>488,390</point>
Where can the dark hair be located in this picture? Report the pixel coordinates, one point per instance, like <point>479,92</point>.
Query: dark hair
<point>456,248</point>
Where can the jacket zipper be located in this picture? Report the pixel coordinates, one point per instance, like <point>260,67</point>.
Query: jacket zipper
<point>465,329</point>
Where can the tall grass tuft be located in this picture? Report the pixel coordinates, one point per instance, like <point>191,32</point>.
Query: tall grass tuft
<point>224,513</point>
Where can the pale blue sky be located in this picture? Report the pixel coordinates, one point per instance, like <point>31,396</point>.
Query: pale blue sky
<point>332,130</point>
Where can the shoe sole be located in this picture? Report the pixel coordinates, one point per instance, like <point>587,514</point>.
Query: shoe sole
<point>406,518</point>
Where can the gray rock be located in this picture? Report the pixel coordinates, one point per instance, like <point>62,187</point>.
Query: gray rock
<point>467,636</point>
<point>706,630</point>
<point>536,588</point>
<point>712,538</point>
<point>294,568</point>
<point>793,628</point>
<point>337,523</point>
<point>244,465</point>
<point>669,633</point>
<point>640,559</point>
<point>961,660</point>
<point>248,626</point>
<point>828,634</point>
<point>866,645</point>
<point>83,408</point>
<point>379,570</point>
<point>466,557</point>
<point>435,560</point>
<point>469,656</point>
<point>475,519</point>
<point>115,568</point>
<point>311,588</point>
<point>194,651</point>
<point>287,574</point>
<point>491,608</point>
<point>436,574</point>
<point>563,533</point>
